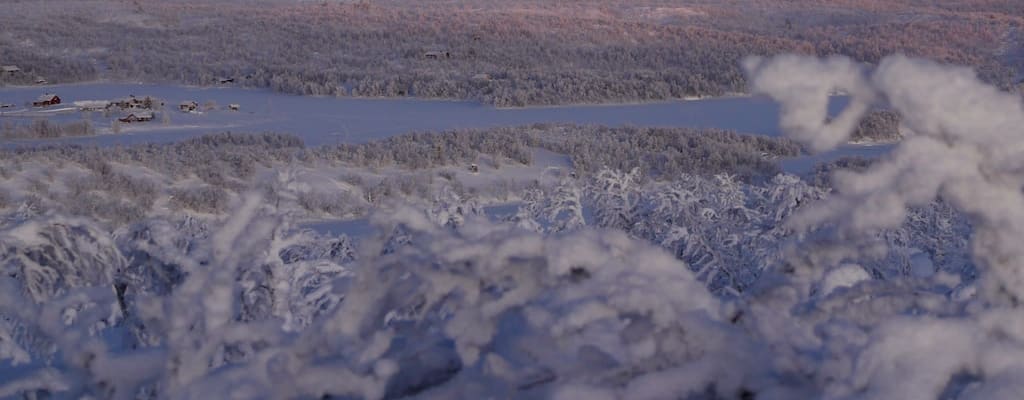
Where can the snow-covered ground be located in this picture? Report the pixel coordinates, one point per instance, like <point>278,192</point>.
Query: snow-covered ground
<point>326,120</point>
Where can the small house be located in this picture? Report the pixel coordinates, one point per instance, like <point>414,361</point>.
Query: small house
<point>46,100</point>
<point>474,168</point>
<point>41,81</point>
<point>10,70</point>
<point>437,55</point>
<point>234,107</point>
<point>143,116</point>
<point>6,105</point>
<point>224,80</point>
<point>188,106</point>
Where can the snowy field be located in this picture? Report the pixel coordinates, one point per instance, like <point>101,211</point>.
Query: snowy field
<point>327,120</point>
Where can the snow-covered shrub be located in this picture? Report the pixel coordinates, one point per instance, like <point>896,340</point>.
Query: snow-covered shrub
<point>176,311</point>
<point>725,230</point>
<point>451,208</point>
<point>505,312</point>
<point>963,146</point>
<point>52,255</point>
<point>189,308</point>
<point>203,199</point>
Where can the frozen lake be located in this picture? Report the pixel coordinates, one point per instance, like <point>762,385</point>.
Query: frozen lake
<point>327,120</point>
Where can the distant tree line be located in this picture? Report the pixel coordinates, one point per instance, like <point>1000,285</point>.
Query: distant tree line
<point>659,152</point>
<point>504,57</point>
<point>46,129</point>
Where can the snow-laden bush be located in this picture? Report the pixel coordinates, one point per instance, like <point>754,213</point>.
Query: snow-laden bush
<point>725,230</point>
<point>964,145</point>
<point>439,304</point>
<point>242,310</point>
<point>186,303</point>
<point>52,255</point>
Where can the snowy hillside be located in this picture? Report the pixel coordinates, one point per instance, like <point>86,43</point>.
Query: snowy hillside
<point>180,271</point>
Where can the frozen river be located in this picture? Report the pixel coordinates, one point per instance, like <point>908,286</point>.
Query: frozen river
<point>326,120</point>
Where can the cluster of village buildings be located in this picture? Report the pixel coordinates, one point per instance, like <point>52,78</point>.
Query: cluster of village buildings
<point>138,106</point>
<point>132,109</point>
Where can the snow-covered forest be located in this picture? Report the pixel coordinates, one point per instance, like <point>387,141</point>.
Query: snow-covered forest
<point>639,263</point>
<point>505,53</point>
<point>123,185</point>
<point>223,242</point>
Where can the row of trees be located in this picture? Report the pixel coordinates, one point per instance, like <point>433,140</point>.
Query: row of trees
<point>215,168</point>
<point>404,166</point>
<point>46,129</point>
<point>660,153</point>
